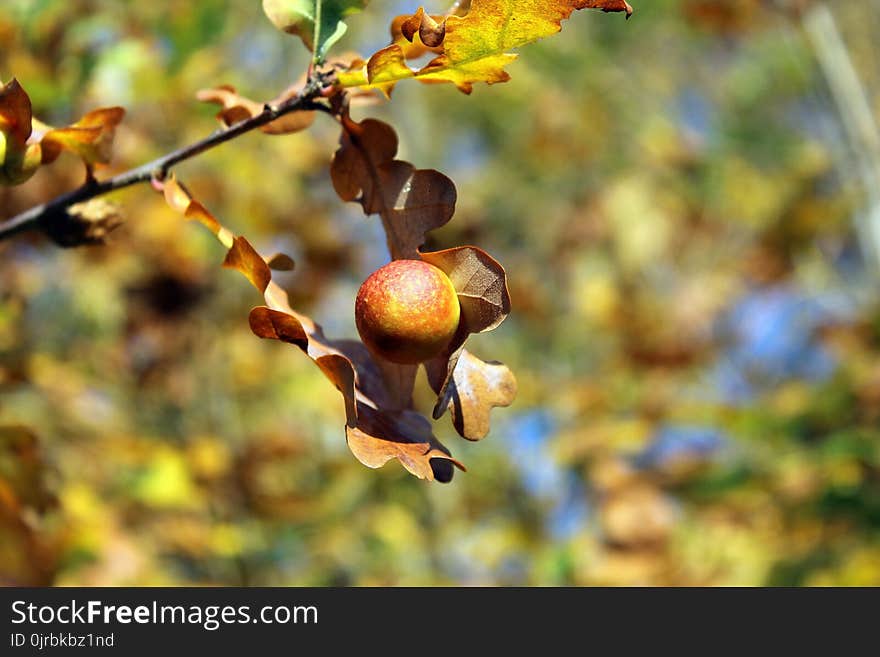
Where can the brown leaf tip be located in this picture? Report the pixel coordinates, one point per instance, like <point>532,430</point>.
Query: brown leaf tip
<point>431,31</point>
<point>613,6</point>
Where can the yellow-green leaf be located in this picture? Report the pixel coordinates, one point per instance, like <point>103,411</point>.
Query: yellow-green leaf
<point>476,47</point>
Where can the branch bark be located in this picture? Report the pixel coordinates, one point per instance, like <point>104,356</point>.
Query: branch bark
<point>52,217</point>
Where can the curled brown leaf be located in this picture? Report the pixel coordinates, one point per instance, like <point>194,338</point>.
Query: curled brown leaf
<point>236,108</point>
<point>405,436</point>
<point>363,170</point>
<point>481,284</point>
<point>180,200</point>
<point>476,387</point>
<point>411,202</point>
<point>375,434</point>
<point>431,30</point>
<point>412,47</point>
<point>243,257</point>
<point>273,324</point>
<point>377,428</point>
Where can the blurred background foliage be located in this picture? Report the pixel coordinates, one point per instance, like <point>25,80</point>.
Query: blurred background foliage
<point>685,208</point>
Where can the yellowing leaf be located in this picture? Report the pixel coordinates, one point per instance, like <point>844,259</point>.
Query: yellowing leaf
<point>386,67</point>
<point>476,47</point>
<point>180,200</point>
<point>91,137</point>
<point>26,143</point>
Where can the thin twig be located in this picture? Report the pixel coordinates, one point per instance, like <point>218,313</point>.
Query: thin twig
<point>41,216</point>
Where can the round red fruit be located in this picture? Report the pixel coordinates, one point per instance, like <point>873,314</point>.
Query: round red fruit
<point>407,311</point>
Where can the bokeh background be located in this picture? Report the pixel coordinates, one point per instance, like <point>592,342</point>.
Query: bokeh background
<point>688,208</point>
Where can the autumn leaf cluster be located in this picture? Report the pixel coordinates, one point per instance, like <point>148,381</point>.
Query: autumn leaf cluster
<point>470,44</point>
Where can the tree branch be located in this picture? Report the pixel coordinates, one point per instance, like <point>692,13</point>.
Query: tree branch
<point>51,216</point>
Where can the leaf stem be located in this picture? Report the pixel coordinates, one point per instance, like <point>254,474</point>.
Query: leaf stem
<point>317,56</point>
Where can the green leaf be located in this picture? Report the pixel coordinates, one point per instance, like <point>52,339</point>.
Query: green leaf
<point>319,23</point>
